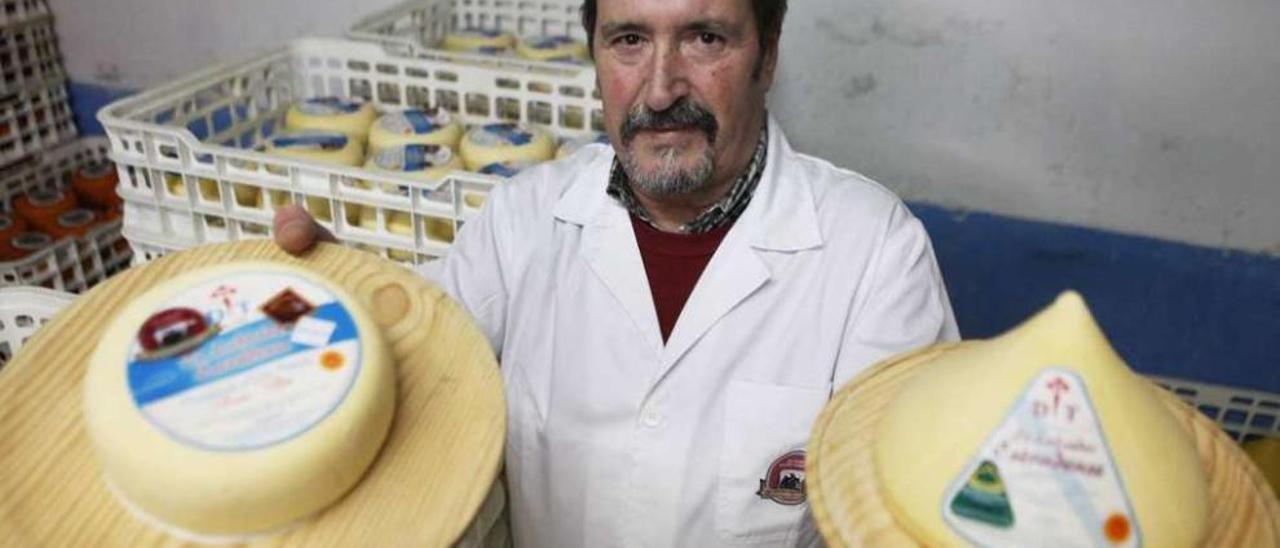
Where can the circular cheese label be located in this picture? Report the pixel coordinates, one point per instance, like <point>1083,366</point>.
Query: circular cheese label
<point>329,106</point>
<point>500,135</point>
<point>411,158</point>
<point>549,42</point>
<point>311,141</point>
<point>414,122</point>
<point>244,361</point>
<point>96,170</point>
<point>506,169</point>
<point>479,33</point>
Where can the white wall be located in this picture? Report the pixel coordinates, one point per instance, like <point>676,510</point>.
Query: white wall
<point>1156,117</point>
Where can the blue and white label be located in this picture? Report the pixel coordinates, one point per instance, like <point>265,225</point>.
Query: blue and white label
<point>503,169</point>
<point>550,42</point>
<point>1045,477</point>
<point>500,135</point>
<point>311,141</point>
<point>410,158</point>
<point>329,106</point>
<point>244,362</point>
<point>415,122</point>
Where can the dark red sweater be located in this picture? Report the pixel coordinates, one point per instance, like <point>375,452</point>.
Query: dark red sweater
<point>673,263</point>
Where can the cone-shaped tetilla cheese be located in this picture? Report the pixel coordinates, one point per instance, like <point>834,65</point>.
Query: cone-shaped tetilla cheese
<point>1040,437</point>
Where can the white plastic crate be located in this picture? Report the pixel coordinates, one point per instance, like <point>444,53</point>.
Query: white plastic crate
<point>1243,414</point>
<point>199,132</point>
<point>70,264</point>
<point>413,29</point>
<point>29,56</point>
<point>13,12</point>
<point>23,310</point>
<point>34,120</point>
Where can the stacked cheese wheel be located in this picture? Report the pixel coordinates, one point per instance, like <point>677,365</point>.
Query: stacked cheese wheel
<point>424,145</point>
<point>237,400</point>
<point>42,216</point>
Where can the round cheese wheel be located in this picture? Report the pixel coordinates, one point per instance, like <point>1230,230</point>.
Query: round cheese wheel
<point>552,48</point>
<point>238,399</point>
<point>41,207</point>
<point>347,116</point>
<point>505,143</point>
<point>479,41</point>
<point>415,127</point>
<point>95,184</point>
<point>573,145</point>
<point>425,162</point>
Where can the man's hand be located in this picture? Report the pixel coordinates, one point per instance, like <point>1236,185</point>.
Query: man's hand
<point>296,231</point>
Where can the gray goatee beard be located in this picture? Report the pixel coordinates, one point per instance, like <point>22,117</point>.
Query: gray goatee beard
<point>668,178</point>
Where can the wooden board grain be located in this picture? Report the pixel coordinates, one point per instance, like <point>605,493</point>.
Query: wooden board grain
<point>844,492</point>
<point>439,461</point>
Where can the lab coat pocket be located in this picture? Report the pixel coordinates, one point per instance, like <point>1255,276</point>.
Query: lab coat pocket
<point>760,489</point>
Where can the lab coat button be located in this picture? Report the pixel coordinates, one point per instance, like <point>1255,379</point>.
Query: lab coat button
<point>651,418</point>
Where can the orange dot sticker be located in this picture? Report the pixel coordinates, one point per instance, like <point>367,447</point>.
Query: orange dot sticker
<point>332,360</point>
<point>1116,528</point>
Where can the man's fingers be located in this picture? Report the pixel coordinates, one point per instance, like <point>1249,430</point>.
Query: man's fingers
<point>296,231</point>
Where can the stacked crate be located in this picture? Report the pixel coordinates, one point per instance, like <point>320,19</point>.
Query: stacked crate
<point>39,149</point>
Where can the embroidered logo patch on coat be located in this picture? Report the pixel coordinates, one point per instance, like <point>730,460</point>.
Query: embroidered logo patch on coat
<point>784,483</point>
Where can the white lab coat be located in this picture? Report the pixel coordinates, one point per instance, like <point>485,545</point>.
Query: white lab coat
<point>616,439</point>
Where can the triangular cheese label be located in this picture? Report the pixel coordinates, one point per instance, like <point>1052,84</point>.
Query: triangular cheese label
<point>1045,477</point>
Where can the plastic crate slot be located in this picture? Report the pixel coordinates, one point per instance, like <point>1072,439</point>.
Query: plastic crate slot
<point>169,151</point>
<point>223,119</point>
<point>572,117</point>
<point>597,120</point>
<point>361,88</point>
<point>388,69</point>
<point>446,76</point>
<point>417,73</point>
<point>417,96</point>
<point>1210,411</point>
<point>388,93</point>
<point>1262,421</point>
<point>478,104</point>
<point>1268,404</point>
<point>448,100</point>
<point>509,109</point>
<point>1241,400</point>
<point>1234,416</point>
<point>1185,391</point>
<point>358,66</point>
<point>198,128</point>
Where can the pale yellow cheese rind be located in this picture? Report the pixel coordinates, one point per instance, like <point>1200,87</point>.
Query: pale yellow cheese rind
<point>939,420</point>
<point>206,492</point>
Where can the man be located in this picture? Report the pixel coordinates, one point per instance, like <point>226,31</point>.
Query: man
<point>672,312</point>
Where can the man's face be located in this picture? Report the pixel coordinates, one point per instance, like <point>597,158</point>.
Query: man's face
<point>681,91</point>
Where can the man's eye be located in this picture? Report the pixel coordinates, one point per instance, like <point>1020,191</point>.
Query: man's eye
<point>708,38</point>
<point>629,39</point>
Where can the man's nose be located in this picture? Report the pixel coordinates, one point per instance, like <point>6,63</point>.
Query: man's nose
<point>668,79</point>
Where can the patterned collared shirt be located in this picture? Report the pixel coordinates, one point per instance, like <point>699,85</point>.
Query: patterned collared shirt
<point>727,210</point>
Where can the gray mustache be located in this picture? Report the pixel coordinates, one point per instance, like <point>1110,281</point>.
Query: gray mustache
<point>684,113</point>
